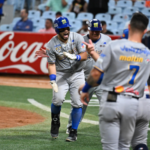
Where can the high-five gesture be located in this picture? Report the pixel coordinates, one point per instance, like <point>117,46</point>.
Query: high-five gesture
<point>41,53</point>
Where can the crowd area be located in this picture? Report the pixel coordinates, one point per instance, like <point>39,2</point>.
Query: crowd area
<point>114,15</point>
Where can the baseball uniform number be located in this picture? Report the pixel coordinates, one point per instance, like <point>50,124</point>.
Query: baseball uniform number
<point>136,69</point>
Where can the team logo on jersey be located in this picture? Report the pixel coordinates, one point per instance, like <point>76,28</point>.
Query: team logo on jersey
<point>119,89</point>
<point>83,45</point>
<point>104,43</point>
<point>103,55</point>
<point>131,58</point>
<point>64,21</point>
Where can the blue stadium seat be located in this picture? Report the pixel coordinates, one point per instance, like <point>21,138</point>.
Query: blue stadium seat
<point>33,14</point>
<point>85,16</point>
<point>114,10</point>
<point>111,25</point>
<point>15,20</point>
<point>36,29</point>
<point>130,10</point>
<point>120,18</point>
<point>70,2</point>
<point>104,17</point>
<point>146,11</point>
<point>75,25</point>
<point>6,27</point>
<point>38,22</point>
<point>69,15</point>
<point>42,7</point>
<point>124,3</point>
<point>139,4</point>
<point>122,26</point>
<point>111,3</point>
<point>48,14</point>
<point>117,32</point>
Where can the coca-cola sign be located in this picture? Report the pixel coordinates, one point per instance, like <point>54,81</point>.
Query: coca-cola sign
<point>17,52</point>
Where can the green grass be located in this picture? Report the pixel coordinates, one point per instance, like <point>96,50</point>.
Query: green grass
<point>37,136</point>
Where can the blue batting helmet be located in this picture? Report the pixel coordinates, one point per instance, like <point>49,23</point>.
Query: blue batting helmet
<point>141,147</point>
<point>61,22</point>
<point>95,25</point>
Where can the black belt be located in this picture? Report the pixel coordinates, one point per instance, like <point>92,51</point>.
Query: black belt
<point>112,96</point>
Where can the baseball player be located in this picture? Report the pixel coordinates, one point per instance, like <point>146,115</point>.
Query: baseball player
<point>126,66</point>
<point>143,116</point>
<point>66,55</point>
<point>99,41</point>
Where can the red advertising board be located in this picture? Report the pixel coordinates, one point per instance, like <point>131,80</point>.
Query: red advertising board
<point>17,52</point>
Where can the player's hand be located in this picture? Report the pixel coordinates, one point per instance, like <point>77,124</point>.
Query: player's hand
<point>70,56</point>
<point>41,53</point>
<point>89,46</point>
<point>54,85</point>
<point>84,97</point>
<point>80,89</point>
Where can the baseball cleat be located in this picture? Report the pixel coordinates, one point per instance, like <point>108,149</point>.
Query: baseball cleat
<point>55,124</point>
<point>68,130</point>
<point>72,136</point>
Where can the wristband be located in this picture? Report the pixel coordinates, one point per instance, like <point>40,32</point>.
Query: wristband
<point>86,87</point>
<point>78,57</point>
<point>100,79</point>
<point>52,77</point>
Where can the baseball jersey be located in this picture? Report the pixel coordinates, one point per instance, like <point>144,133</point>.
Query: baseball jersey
<point>126,65</point>
<point>99,46</point>
<point>55,49</point>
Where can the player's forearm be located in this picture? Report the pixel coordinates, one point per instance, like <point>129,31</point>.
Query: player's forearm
<point>84,56</point>
<point>94,55</point>
<point>51,69</point>
<point>94,77</point>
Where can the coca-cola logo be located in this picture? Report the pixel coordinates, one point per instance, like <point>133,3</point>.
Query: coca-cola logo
<point>22,54</point>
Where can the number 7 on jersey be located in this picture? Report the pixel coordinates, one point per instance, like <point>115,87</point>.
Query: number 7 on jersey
<point>136,69</point>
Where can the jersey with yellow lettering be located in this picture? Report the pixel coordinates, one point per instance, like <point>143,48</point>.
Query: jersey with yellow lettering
<point>126,67</point>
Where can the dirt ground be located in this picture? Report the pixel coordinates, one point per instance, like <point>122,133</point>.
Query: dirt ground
<point>12,117</point>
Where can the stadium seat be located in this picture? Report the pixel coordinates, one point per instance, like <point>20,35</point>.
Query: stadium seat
<point>33,14</point>
<point>114,10</point>
<point>48,14</point>
<point>117,32</point>
<point>122,26</point>
<point>124,3</point>
<point>75,25</point>
<point>6,27</point>
<point>111,25</point>
<point>130,10</point>
<point>36,29</point>
<point>70,2</point>
<point>111,3</point>
<point>139,4</point>
<point>42,7</point>
<point>101,17</point>
<point>69,15</point>
<point>120,18</point>
<point>146,11</point>
<point>15,20</point>
<point>85,16</point>
<point>38,22</point>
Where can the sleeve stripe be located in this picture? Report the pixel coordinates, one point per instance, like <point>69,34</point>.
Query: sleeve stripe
<point>98,69</point>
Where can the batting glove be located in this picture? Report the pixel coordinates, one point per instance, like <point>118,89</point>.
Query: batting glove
<point>54,85</point>
<point>72,56</point>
